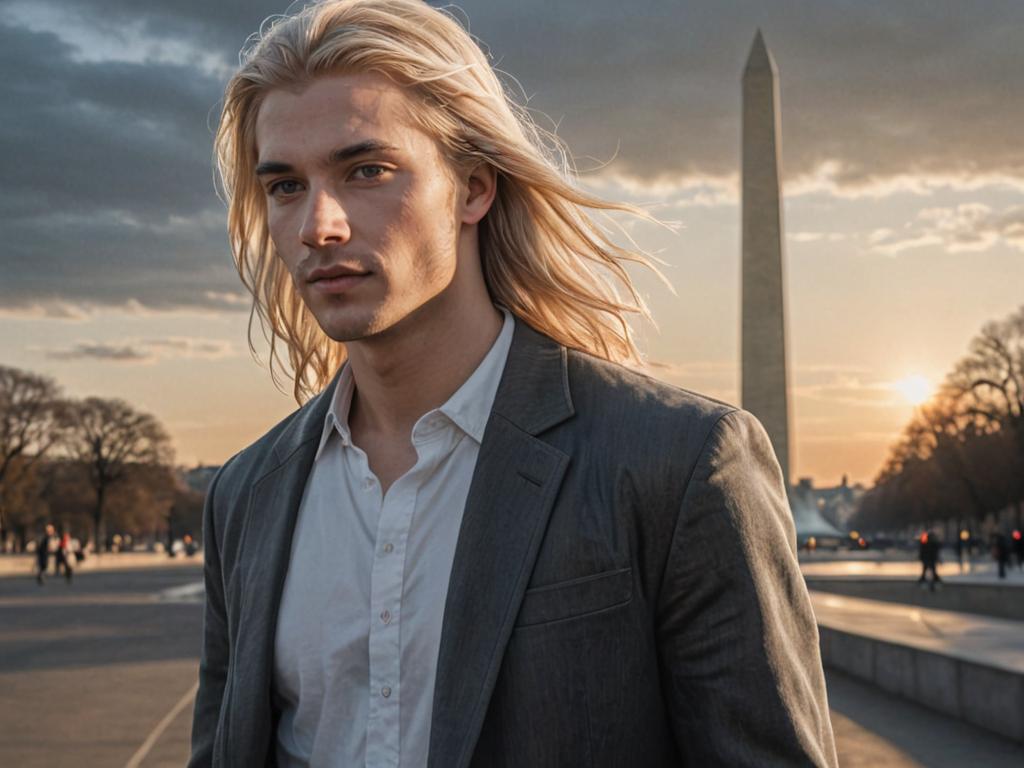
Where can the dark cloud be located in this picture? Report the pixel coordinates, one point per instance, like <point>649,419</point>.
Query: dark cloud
<point>881,89</point>
<point>99,351</point>
<point>109,196</point>
<point>144,351</point>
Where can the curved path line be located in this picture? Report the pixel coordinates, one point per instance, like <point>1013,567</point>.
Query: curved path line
<point>157,732</point>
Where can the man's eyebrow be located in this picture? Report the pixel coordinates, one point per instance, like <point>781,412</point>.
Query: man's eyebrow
<point>362,148</point>
<point>337,156</point>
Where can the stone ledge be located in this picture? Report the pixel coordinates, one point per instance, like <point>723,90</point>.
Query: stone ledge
<point>1003,601</point>
<point>988,696</point>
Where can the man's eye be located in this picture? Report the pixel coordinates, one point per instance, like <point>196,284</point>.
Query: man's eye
<point>369,171</point>
<point>283,187</point>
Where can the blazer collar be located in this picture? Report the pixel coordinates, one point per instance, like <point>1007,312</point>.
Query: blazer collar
<point>308,423</point>
<point>533,393</point>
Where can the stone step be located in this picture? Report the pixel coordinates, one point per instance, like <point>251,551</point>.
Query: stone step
<point>994,599</point>
<point>967,666</point>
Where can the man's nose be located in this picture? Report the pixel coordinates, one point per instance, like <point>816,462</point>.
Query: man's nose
<point>326,221</point>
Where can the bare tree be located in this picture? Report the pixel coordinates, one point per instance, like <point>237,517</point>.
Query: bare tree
<point>111,438</point>
<point>989,386</point>
<point>989,381</point>
<point>140,502</point>
<point>962,455</point>
<point>30,419</point>
<point>25,507</point>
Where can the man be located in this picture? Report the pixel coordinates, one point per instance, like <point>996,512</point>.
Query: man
<point>481,541</point>
<point>928,554</point>
<point>43,547</point>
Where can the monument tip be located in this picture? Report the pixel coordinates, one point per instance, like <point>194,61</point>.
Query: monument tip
<point>759,59</point>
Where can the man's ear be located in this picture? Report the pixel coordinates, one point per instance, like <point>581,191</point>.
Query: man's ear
<point>478,194</point>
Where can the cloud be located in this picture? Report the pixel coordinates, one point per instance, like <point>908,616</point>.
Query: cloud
<point>965,228</point>
<point>850,390</point>
<point>814,237</point>
<point>870,92</point>
<point>85,350</point>
<point>109,106</point>
<point>110,196</point>
<point>144,351</point>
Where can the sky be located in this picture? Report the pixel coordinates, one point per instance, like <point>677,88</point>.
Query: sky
<point>903,176</point>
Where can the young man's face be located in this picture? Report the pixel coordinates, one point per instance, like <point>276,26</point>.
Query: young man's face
<point>360,202</point>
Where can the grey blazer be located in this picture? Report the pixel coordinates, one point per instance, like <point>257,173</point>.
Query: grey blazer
<point>625,590</point>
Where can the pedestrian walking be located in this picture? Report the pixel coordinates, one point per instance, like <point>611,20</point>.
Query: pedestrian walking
<point>1000,552</point>
<point>66,556</point>
<point>928,553</point>
<point>43,554</point>
<point>1018,548</point>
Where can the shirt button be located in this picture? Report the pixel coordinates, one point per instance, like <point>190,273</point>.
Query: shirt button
<point>385,616</point>
<point>385,692</point>
<point>389,547</point>
<point>368,483</point>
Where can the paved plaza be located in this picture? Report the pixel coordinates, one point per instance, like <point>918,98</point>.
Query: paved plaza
<point>102,673</point>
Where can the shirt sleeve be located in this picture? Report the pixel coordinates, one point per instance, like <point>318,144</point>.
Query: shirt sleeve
<point>738,642</point>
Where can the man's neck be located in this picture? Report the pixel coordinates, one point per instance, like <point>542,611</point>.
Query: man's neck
<point>419,367</point>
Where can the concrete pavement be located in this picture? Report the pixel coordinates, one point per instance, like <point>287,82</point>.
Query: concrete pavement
<point>89,670</point>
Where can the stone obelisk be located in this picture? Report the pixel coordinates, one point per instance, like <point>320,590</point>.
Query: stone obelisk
<point>764,373</point>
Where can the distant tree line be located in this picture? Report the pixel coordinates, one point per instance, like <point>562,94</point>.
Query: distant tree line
<point>961,457</point>
<point>95,466</point>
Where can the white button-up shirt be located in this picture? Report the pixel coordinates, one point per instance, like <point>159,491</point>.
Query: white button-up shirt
<point>355,654</point>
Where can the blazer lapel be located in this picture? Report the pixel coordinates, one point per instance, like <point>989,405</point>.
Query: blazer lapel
<point>266,543</point>
<point>516,481</point>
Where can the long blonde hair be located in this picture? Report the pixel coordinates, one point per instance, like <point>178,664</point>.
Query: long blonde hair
<point>543,256</point>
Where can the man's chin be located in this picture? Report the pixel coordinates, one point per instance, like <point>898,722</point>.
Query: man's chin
<point>344,330</point>
<point>345,334</point>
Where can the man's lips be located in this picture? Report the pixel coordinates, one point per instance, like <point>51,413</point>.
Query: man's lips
<point>338,270</point>
<point>335,280</point>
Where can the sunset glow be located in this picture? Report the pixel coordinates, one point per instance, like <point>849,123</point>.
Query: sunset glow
<point>914,389</point>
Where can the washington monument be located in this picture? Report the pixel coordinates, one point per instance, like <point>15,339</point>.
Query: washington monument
<point>764,372</point>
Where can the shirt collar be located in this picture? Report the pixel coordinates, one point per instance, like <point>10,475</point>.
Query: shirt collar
<point>336,419</point>
<point>469,408</point>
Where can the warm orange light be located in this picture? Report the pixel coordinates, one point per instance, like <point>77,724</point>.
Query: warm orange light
<point>1016,535</point>
<point>915,389</point>
<point>924,537</point>
<point>965,535</point>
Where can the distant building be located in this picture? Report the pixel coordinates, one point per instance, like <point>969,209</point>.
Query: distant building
<point>199,478</point>
<point>835,505</point>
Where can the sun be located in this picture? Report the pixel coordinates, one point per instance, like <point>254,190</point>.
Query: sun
<point>915,389</point>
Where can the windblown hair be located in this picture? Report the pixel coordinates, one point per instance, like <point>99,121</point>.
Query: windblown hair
<point>543,256</point>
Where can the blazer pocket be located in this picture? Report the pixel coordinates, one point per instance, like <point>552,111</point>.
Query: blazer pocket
<point>575,598</point>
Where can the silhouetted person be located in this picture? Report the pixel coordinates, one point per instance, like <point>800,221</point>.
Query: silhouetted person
<point>1000,552</point>
<point>43,554</point>
<point>1018,548</point>
<point>928,553</point>
<point>65,556</point>
<point>960,546</point>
